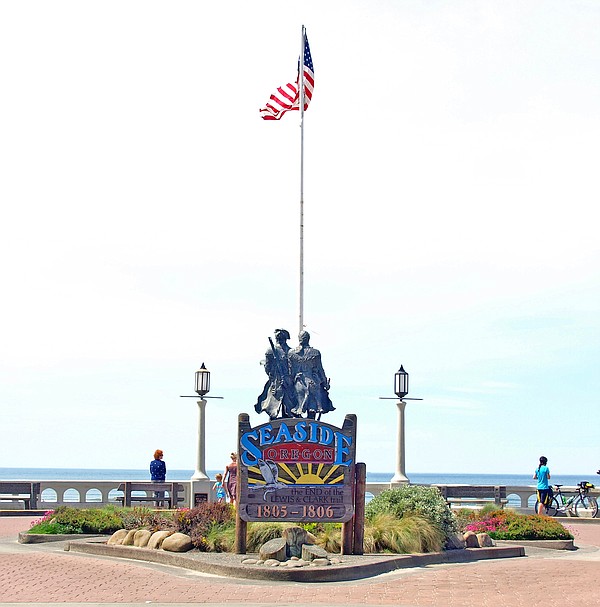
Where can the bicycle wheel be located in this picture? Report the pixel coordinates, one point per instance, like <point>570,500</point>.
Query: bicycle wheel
<point>586,504</point>
<point>552,509</point>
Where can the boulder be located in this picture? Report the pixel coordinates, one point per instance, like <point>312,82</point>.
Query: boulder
<point>295,538</point>
<point>128,539</point>
<point>116,539</point>
<point>141,538</point>
<point>455,541</point>
<point>471,540</point>
<point>484,540</point>
<point>320,562</point>
<point>177,542</point>
<point>272,563</point>
<point>273,549</point>
<point>157,538</point>
<point>310,552</point>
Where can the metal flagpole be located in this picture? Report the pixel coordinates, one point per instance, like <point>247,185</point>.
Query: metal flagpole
<point>301,82</point>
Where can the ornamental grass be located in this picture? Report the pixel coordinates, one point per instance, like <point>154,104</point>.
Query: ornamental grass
<point>411,534</point>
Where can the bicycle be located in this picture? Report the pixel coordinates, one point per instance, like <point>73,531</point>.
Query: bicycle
<point>573,504</point>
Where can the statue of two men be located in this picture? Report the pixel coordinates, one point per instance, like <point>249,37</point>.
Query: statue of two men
<point>297,383</point>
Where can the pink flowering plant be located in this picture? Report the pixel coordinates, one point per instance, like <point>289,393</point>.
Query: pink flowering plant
<point>510,525</point>
<point>489,525</point>
<point>47,517</point>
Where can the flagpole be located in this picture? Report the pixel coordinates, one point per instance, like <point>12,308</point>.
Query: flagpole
<point>301,82</point>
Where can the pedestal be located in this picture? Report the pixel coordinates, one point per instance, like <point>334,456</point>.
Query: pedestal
<point>200,492</point>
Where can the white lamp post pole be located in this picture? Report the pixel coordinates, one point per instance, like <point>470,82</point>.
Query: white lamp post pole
<point>400,475</point>
<point>200,473</point>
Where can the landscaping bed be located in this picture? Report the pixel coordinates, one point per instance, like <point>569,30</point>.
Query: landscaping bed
<point>409,520</point>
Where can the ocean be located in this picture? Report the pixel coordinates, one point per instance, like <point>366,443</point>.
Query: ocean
<point>430,478</point>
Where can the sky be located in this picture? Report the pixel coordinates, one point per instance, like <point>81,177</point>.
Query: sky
<point>150,223</point>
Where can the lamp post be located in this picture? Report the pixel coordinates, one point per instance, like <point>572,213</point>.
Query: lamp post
<point>200,478</point>
<point>202,389</point>
<point>401,390</point>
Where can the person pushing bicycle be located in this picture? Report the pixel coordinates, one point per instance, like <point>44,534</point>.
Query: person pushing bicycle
<point>542,474</point>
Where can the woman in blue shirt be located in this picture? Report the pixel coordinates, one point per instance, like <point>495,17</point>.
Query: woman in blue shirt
<point>158,473</point>
<point>542,474</point>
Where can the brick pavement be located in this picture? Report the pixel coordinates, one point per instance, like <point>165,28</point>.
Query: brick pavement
<point>46,573</point>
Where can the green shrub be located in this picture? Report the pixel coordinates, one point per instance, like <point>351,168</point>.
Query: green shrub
<point>532,527</point>
<point>413,533</point>
<point>145,518</point>
<point>79,520</point>
<point>198,521</point>
<point>52,528</point>
<point>217,537</point>
<point>414,499</point>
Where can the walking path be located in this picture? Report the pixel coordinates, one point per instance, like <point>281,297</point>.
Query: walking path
<point>45,573</point>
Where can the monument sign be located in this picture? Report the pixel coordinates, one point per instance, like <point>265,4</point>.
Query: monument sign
<point>297,469</point>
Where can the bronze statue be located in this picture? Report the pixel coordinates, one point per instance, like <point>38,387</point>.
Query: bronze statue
<point>310,382</point>
<point>297,384</point>
<point>278,397</point>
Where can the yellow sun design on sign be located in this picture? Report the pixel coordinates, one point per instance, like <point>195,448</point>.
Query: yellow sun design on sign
<point>301,474</point>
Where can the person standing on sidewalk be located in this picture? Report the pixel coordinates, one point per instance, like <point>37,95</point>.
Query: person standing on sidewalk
<point>230,479</point>
<point>158,474</point>
<point>542,474</point>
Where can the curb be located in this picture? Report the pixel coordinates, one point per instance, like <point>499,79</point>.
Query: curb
<point>549,544</point>
<point>357,567</point>
<point>41,538</point>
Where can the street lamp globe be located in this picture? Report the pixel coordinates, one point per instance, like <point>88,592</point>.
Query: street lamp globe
<point>202,381</point>
<point>401,383</point>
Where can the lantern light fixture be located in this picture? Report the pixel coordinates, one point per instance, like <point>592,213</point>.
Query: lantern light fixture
<point>202,381</point>
<point>401,383</point>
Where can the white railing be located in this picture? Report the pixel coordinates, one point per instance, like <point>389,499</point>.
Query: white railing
<point>519,497</point>
<point>95,494</point>
<point>89,494</point>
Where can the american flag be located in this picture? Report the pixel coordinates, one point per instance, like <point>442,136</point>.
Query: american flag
<point>287,96</point>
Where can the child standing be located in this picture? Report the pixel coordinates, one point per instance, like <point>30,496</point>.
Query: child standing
<point>219,489</point>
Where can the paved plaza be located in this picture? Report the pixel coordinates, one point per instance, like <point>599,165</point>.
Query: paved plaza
<point>46,573</point>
